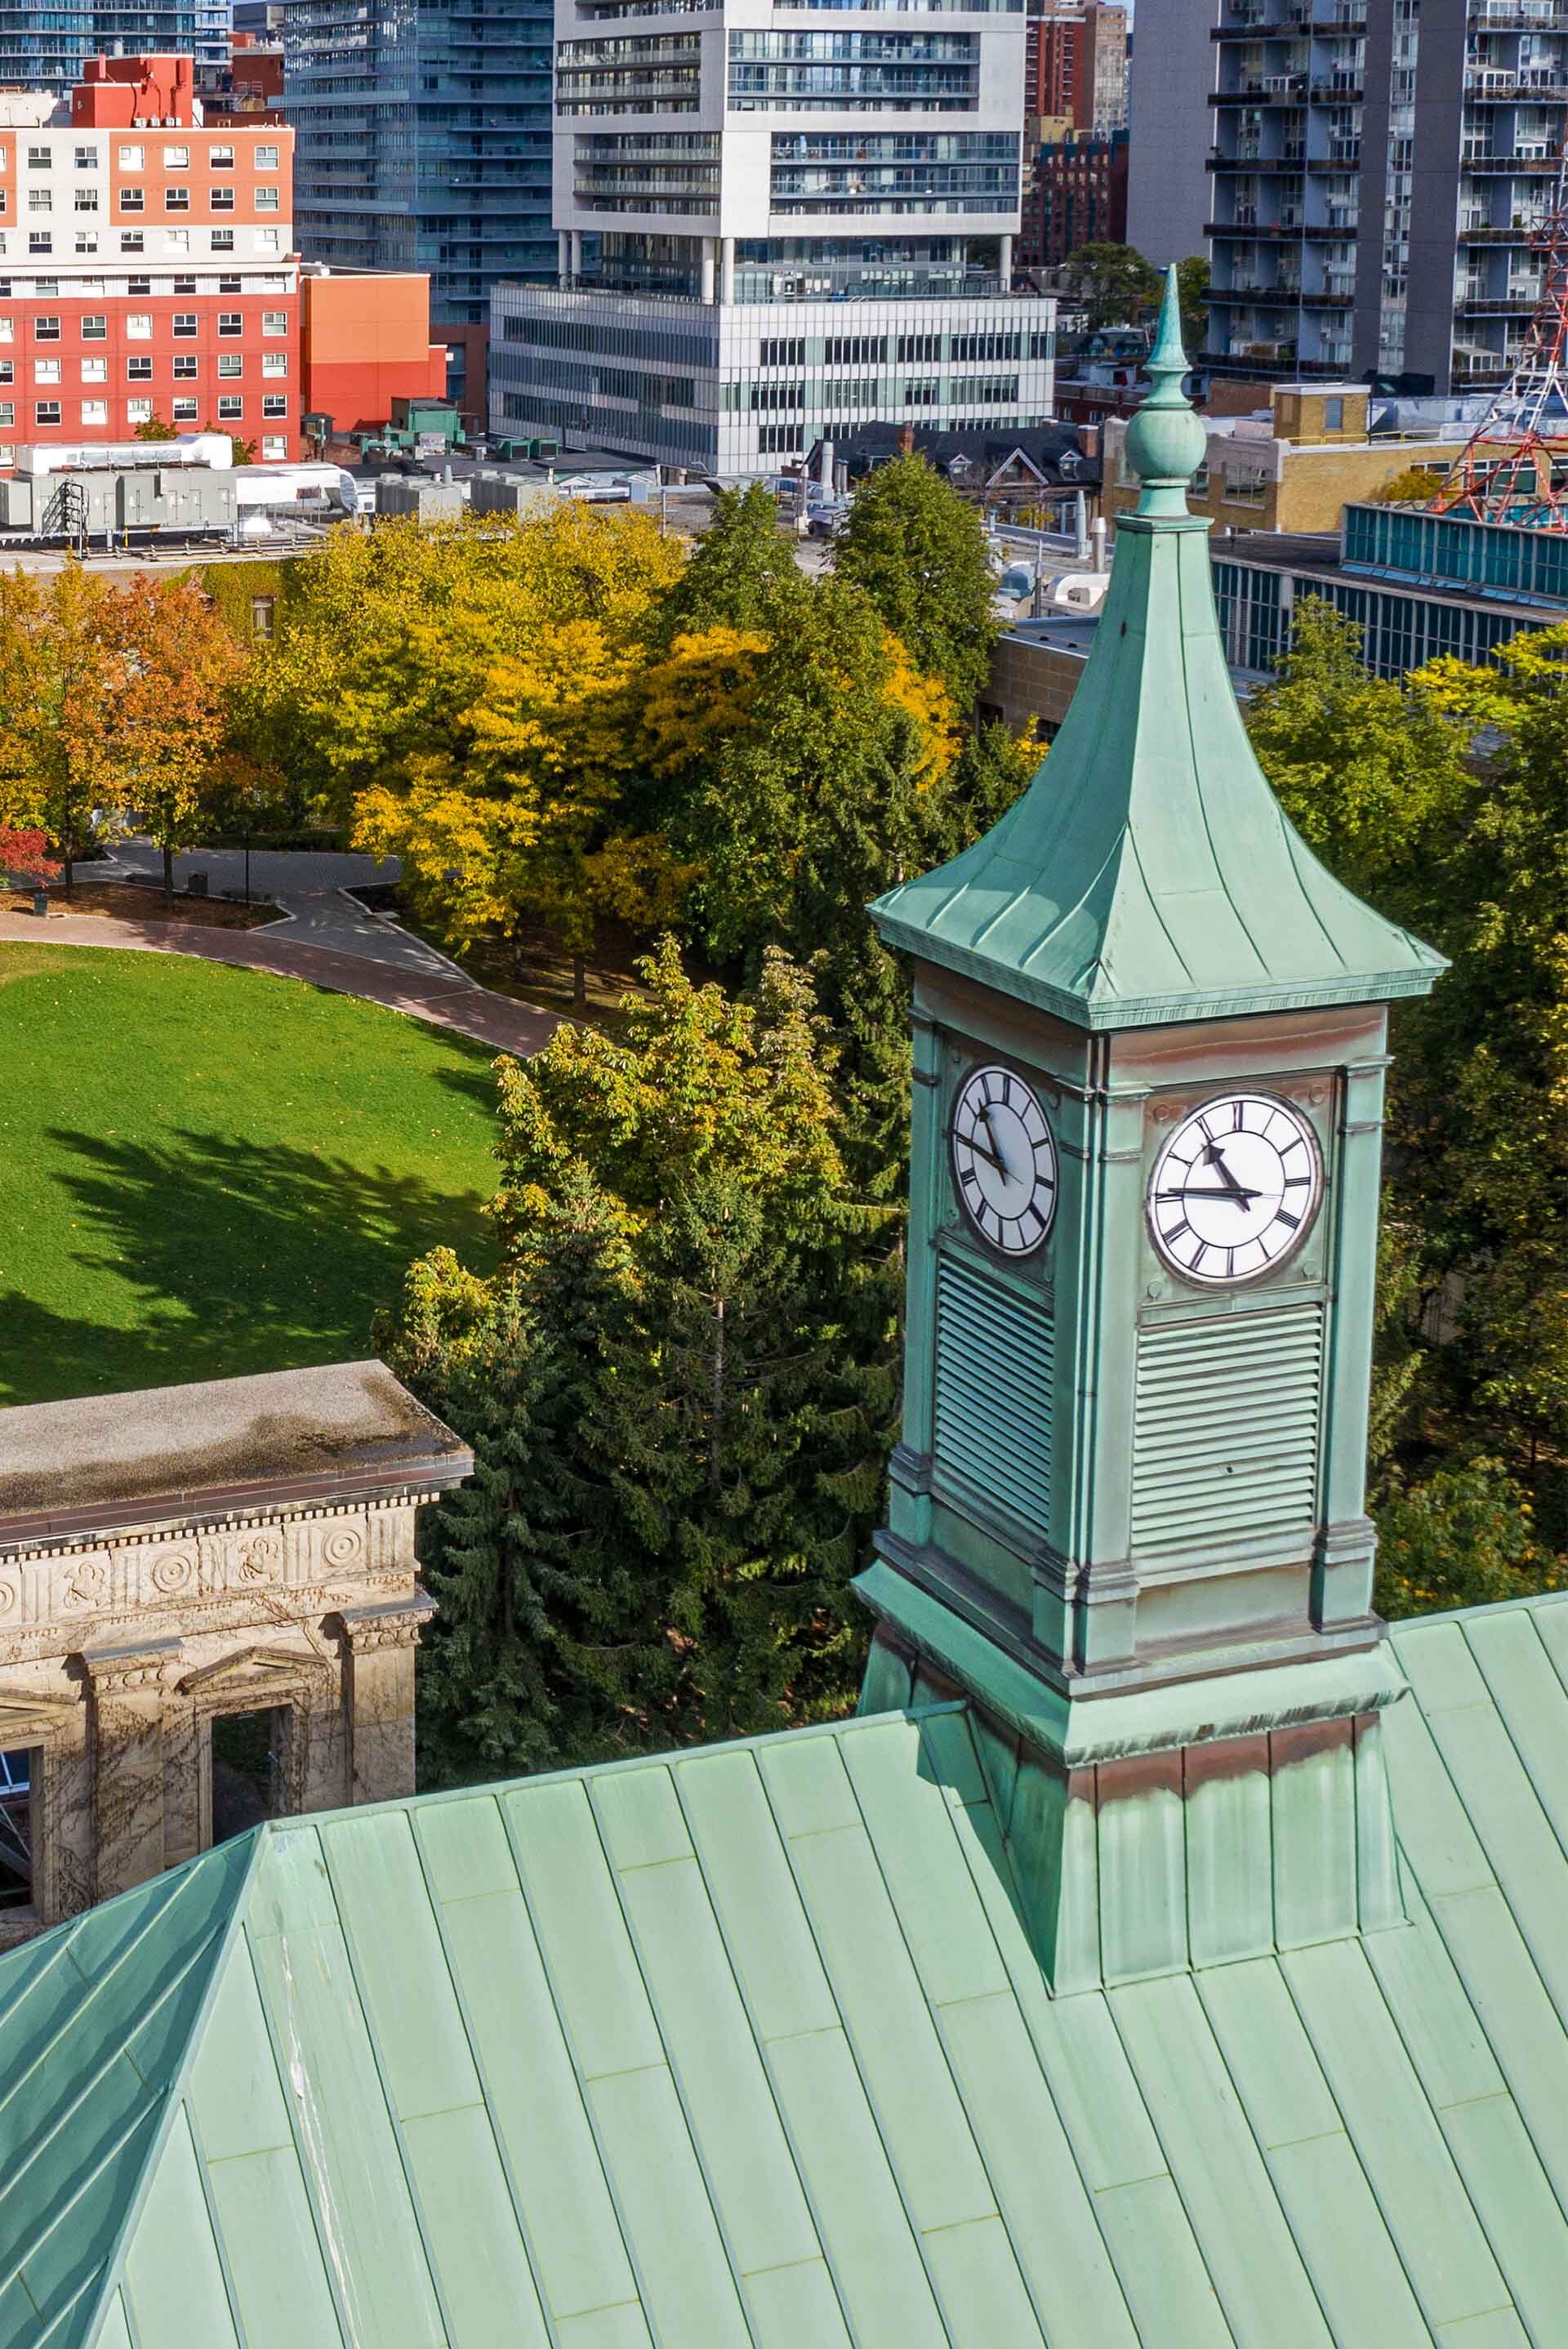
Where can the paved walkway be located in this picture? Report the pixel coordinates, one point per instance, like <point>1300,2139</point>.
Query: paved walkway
<point>443,995</point>
<point>310,887</point>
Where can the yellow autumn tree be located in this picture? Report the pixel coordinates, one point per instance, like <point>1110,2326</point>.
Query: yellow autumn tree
<point>460,694</point>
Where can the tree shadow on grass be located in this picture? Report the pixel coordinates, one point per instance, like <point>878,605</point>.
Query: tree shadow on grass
<point>235,1257</point>
<point>475,1084</point>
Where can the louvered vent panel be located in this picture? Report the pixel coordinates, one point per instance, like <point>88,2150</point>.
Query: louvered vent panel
<point>1226,1433</point>
<point>994,1356</point>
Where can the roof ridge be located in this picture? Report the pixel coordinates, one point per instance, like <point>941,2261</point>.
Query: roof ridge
<point>575,1774</point>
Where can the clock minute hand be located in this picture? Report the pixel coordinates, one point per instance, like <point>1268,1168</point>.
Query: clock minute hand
<point>1235,1196</point>
<point>981,1152</point>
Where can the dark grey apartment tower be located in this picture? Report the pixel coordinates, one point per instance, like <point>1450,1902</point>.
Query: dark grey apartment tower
<point>1377,168</point>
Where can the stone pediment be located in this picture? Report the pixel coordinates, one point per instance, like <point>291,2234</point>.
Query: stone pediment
<point>251,1668</point>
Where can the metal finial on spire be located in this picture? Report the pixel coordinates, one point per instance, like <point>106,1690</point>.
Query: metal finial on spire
<point>1165,441</point>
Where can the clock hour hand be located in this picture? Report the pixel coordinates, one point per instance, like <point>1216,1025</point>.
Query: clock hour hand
<point>1232,1189</point>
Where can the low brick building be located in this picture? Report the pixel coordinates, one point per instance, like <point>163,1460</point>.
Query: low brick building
<point>1296,463</point>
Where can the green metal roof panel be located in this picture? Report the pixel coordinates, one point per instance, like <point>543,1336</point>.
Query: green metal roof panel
<point>750,2046</point>
<point>1148,873</point>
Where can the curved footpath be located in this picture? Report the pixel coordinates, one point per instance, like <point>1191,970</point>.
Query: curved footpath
<point>442,994</point>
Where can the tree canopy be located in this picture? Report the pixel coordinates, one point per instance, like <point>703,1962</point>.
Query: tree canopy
<point>1113,283</point>
<point>679,1444</point>
<point>919,551</point>
<point>1444,800</point>
<point>114,704</point>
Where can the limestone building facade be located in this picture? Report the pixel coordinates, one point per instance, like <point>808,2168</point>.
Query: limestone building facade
<point>175,1563</point>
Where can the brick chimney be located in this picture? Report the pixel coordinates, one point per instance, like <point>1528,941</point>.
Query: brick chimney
<point>906,440</point>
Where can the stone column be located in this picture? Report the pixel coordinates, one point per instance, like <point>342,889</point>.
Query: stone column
<point>378,1675</point>
<point>577,255</point>
<point>563,255</point>
<point>707,264</point>
<point>127,1695</point>
<point>727,269</point>
<point>1005,264</point>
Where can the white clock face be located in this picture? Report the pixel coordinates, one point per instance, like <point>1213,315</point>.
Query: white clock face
<point>1004,1161</point>
<point>1236,1189</point>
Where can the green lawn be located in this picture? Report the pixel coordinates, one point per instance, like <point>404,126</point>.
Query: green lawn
<point>205,1171</point>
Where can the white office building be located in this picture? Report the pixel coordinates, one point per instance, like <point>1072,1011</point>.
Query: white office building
<point>778,220</point>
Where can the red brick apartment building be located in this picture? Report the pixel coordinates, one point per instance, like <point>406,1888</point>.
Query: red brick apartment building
<point>1074,63</point>
<point>147,266</point>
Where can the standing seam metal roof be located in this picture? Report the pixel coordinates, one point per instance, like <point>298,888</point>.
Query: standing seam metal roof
<point>748,2046</point>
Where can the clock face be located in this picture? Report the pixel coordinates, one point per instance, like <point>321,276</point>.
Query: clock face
<point>1235,1190</point>
<point>1004,1161</point>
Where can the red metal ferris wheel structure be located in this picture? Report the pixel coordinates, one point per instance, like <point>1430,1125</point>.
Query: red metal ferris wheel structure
<point>1514,466</point>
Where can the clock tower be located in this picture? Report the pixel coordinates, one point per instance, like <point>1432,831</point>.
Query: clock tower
<point>1128,1511</point>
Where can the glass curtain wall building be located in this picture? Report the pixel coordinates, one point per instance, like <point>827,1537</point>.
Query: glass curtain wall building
<point>771,226</point>
<point>423,141</point>
<point>46,48</point>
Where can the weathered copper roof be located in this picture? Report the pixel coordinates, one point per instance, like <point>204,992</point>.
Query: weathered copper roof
<point>1148,873</point>
<point>747,2048</point>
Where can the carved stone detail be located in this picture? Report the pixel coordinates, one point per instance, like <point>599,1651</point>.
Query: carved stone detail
<point>119,1653</point>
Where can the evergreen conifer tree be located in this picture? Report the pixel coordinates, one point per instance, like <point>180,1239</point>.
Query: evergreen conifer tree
<point>919,551</point>
<point>680,1389</point>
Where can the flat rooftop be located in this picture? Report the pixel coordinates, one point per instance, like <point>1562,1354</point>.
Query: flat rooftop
<point>104,1463</point>
<point>1318,554</point>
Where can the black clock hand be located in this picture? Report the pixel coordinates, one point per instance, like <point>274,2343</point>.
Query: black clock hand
<point>1232,1189</point>
<point>982,1111</point>
<point>1235,1196</point>
<point>981,1152</point>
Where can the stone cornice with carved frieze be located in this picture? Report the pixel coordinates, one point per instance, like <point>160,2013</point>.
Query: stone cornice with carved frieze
<point>257,1571</point>
<point>193,1528</point>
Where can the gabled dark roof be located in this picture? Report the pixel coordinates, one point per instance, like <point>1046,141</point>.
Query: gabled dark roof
<point>1044,445</point>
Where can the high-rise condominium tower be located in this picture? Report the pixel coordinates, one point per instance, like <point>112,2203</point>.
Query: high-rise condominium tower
<point>776,222</point>
<point>423,140</point>
<point>46,48</point>
<point>1376,170</point>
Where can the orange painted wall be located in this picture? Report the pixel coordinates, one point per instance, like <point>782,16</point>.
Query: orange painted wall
<point>366,340</point>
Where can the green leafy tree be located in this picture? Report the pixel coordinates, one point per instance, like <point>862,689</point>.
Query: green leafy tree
<point>1413,485</point>
<point>734,571</point>
<point>155,428</point>
<point>1371,774</point>
<point>1192,278</point>
<point>1444,800</point>
<point>826,793</point>
<point>679,1450</point>
<point>1463,1538</point>
<point>919,551</point>
<point>1113,283</point>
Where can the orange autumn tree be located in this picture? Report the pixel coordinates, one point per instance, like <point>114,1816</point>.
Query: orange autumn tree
<point>58,681</point>
<point>176,665</point>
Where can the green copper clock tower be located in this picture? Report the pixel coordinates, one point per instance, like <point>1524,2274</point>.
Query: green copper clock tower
<point>1128,1511</point>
